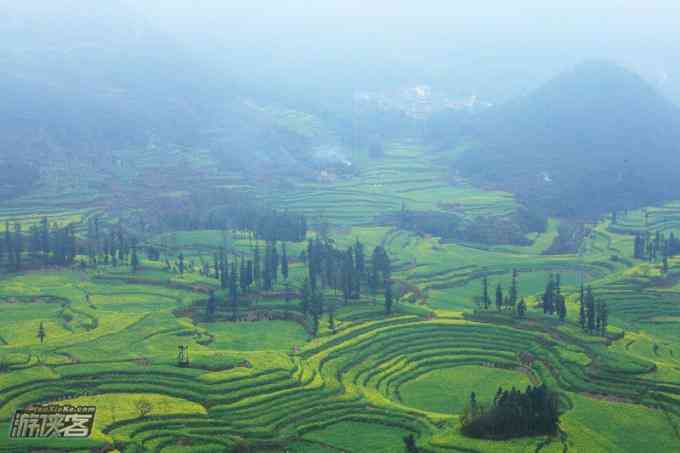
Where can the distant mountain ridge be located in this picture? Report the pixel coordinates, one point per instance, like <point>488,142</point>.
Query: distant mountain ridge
<point>594,139</point>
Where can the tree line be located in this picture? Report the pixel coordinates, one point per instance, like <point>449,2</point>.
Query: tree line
<point>244,275</point>
<point>344,272</point>
<point>43,243</point>
<point>655,247</point>
<point>553,301</point>
<point>593,314</point>
<point>219,210</point>
<point>510,301</point>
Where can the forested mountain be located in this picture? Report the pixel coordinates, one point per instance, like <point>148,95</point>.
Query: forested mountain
<point>594,139</point>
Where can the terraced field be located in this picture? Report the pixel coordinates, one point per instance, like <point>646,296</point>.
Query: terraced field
<point>360,375</point>
<point>113,336</point>
<point>407,175</point>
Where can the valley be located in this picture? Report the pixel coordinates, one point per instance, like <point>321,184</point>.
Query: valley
<point>112,332</point>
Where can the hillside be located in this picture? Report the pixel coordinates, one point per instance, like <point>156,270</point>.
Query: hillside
<point>594,139</point>
<point>97,101</point>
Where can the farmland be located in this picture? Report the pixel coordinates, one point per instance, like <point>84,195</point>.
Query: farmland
<point>112,333</point>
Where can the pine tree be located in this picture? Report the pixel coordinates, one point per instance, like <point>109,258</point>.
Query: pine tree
<point>216,266</point>
<point>348,275</point>
<point>257,268</point>
<point>18,247</point>
<point>356,279</point>
<point>513,290</point>
<point>45,240</point>
<point>604,316</point>
<point>410,444</point>
<point>521,308</point>
<point>41,333</point>
<point>560,304</point>
<point>549,296</point>
<point>331,316</point>
<point>381,264</point>
<point>333,271</point>
<point>267,274</point>
<point>33,241</point>
<point>388,298</point>
<point>359,259</point>
<point>233,291</point>
<point>275,263</point>
<point>639,247</point>
<point>312,264</point>
<point>249,273</point>
<point>210,307</point>
<point>372,283</point>
<point>243,276</point>
<point>315,323</point>
<point>316,310</point>
<point>590,310</point>
<point>306,298</point>
<point>284,263</point>
<point>499,297</point>
<point>582,309</point>
<point>9,246</point>
<point>134,261</point>
<point>2,250</point>
<point>485,292</point>
<point>224,272</point>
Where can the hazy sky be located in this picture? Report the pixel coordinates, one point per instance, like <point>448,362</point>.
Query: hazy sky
<point>474,46</point>
<point>417,20</point>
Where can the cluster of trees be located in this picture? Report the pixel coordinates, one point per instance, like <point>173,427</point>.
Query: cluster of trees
<point>112,244</point>
<point>46,244</point>
<point>553,301</point>
<point>260,272</point>
<point>410,444</point>
<point>243,275</point>
<point>511,229</point>
<point>593,315</point>
<point>513,414</point>
<point>656,247</point>
<point>327,268</point>
<point>510,302</point>
<point>347,271</point>
<point>270,225</point>
<point>218,210</point>
<point>313,305</point>
<point>570,235</point>
<point>43,244</point>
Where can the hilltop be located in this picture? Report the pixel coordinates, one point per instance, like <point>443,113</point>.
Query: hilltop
<point>594,139</point>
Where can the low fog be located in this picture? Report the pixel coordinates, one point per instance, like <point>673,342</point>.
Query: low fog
<point>491,49</point>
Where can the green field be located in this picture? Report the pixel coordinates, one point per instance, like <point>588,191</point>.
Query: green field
<point>448,390</point>
<point>113,335</point>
